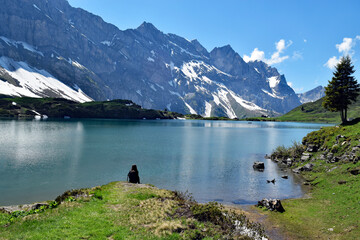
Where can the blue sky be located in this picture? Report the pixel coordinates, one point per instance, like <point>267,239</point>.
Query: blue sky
<point>303,39</point>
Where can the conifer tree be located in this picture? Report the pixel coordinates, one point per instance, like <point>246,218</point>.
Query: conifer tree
<point>342,89</point>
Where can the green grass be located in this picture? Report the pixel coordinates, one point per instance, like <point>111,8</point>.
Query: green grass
<point>121,210</point>
<point>332,211</point>
<point>315,112</point>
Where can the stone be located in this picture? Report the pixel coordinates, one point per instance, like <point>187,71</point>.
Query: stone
<point>305,157</point>
<point>39,205</point>
<point>342,182</point>
<point>338,137</point>
<point>355,149</point>
<point>289,162</point>
<point>322,157</point>
<point>329,156</point>
<point>355,171</point>
<point>285,177</point>
<point>312,148</point>
<point>260,166</point>
<point>334,160</point>
<point>307,167</point>
<point>271,204</point>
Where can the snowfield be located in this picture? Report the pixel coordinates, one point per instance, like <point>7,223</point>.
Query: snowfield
<point>33,82</point>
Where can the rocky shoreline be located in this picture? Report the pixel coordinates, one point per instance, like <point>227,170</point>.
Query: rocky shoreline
<point>328,162</point>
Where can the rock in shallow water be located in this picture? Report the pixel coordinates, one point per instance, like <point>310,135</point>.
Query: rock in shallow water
<point>260,166</point>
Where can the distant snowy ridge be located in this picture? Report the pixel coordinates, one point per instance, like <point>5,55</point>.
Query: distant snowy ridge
<point>312,95</point>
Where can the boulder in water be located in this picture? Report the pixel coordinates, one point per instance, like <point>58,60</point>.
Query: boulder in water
<point>260,166</point>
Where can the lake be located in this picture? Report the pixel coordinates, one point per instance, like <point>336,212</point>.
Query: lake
<point>213,160</point>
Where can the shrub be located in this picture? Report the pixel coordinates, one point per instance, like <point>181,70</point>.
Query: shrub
<point>294,151</point>
<point>210,212</point>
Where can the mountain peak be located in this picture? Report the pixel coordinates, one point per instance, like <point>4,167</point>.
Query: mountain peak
<point>227,48</point>
<point>312,95</point>
<point>147,26</point>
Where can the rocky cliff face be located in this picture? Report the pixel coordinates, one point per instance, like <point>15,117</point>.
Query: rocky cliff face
<point>145,65</point>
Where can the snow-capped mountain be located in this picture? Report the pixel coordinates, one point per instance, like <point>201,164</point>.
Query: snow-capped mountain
<point>80,57</point>
<point>312,95</point>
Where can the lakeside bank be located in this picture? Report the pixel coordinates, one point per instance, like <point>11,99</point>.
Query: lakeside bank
<point>328,160</point>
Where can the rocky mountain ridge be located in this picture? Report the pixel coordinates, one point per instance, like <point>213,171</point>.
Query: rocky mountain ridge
<point>153,69</point>
<point>312,95</point>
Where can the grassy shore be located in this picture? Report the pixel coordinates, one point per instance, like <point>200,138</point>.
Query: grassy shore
<point>121,210</point>
<point>332,208</point>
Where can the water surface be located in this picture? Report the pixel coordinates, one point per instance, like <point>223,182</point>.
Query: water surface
<point>211,159</point>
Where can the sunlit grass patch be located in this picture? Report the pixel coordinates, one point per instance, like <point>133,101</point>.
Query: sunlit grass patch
<point>117,211</point>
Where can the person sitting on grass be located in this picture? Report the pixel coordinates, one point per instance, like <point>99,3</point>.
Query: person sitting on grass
<point>133,175</point>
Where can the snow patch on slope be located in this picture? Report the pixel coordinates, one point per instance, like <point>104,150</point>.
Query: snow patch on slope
<point>192,111</point>
<point>273,81</point>
<point>23,44</point>
<point>36,83</point>
<point>207,109</point>
<point>107,43</point>
<point>222,94</point>
<point>34,5</point>
<point>272,94</point>
<point>246,104</point>
<point>139,92</point>
<point>184,50</point>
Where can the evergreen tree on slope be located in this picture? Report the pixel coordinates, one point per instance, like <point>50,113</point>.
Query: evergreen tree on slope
<point>342,89</point>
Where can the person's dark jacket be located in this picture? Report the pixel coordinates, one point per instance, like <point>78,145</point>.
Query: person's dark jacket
<point>133,177</point>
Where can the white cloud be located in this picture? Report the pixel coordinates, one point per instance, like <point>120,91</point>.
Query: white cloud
<point>332,62</point>
<point>255,55</point>
<point>280,46</point>
<point>297,55</point>
<point>344,48</point>
<point>305,40</point>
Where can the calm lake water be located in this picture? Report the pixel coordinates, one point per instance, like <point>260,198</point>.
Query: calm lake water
<point>39,160</point>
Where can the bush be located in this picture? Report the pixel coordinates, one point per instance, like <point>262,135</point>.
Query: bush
<point>295,151</point>
<point>210,212</point>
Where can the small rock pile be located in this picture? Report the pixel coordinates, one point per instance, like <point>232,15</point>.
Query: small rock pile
<point>271,204</point>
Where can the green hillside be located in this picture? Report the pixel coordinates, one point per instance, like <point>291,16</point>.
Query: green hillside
<point>27,107</point>
<point>314,112</point>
